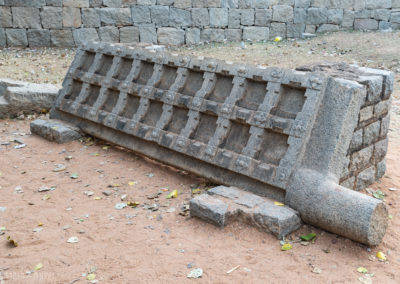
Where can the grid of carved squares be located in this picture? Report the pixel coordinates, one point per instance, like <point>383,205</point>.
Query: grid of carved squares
<point>273,144</point>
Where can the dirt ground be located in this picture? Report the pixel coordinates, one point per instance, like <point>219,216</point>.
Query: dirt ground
<point>153,242</point>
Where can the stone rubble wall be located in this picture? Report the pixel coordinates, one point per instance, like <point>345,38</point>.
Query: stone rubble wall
<point>365,162</point>
<point>176,22</point>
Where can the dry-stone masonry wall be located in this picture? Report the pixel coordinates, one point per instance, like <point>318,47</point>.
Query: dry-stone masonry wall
<point>365,161</point>
<point>176,22</point>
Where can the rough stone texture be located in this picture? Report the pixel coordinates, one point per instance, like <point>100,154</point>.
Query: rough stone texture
<point>57,131</point>
<point>3,38</point>
<point>26,17</point>
<point>171,36</point>
<point>317,16</point>
<point>129,34</point>
<point>115,16</point>
<point>200,17</point>
<point>71,17</point>
<point>234,34</point>
<point>90,18</point>
<point>61,38</point>
<point>76,3</point>
<point>85,35</point>
<point>255,33</point>
<point>192,36</point>
<point>141,14</point>
<point>38,37</point>
<point>109,34</point>
<point>284,18</point>
<point>263,17</point>
<point>52,17</point>
<point>261,129</point>
<point>160,15</point>
<point>246,17</point>
<point>17,97</point>
<point>148,34</point>
<point>212,35</point>
<point>327,28</point>
<point>365,178</point>
<point>365,24</point>
<point>282,13</point>
<point>222,205</point>
<point>277,30</point>
<point>16,37</point>
<point>5,17</point>
<point>179,17</point>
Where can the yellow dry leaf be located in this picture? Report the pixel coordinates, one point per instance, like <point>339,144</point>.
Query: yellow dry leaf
<point>40,224</point>
<point>380,255</point>
<point>196,191</point>
<point>45,197</point>
<point>106,148</point>
<point>279,203</point>
<point>173,194</point>
<point>38,266</point>
<point>286,247</point>
<point>91,276</point>
<point>133,204</point>
<point>97,198</point>
<point>277,39</point>
<point>132,183</point>
<point>115,185</point>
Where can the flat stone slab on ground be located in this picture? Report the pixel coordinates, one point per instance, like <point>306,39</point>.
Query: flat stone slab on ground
<point>221,205</point>
<point>19,96</point>
<point>54,130</point>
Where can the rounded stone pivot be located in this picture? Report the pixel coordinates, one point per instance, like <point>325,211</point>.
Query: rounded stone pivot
<point>321,202</point>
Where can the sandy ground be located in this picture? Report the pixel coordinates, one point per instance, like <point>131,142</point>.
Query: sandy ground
<point>145,246</point>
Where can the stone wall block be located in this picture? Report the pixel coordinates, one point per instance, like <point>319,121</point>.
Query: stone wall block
<point>52,17</point>
<point>26,17</point>
<point>39,37</point>
<point>72,17</point>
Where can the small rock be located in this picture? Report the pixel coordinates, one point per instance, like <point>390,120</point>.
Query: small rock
<point>195,273</point>
<point>107,192</point>
<point>72,240</point>
<point>120,206</point>
<point>317,270</point>
<point>20,146</point>
<point>18,189</point>
<point>59,168</point>
<point>37,230</point>
<point>45,188</point>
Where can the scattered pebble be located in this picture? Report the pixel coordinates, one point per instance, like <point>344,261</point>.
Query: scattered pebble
<point>195,273</point>
<point>120,206</point>
<point>72,240</point>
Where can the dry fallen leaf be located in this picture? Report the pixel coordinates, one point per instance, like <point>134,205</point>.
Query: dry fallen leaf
<point>38,266</point>
<point>173,194</point>
<point>286,247</point>
<point>381,256</point>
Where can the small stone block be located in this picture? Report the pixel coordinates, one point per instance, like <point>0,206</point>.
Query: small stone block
<point>57,131</point>
<point>222,204</point>
<point>210,209</point>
